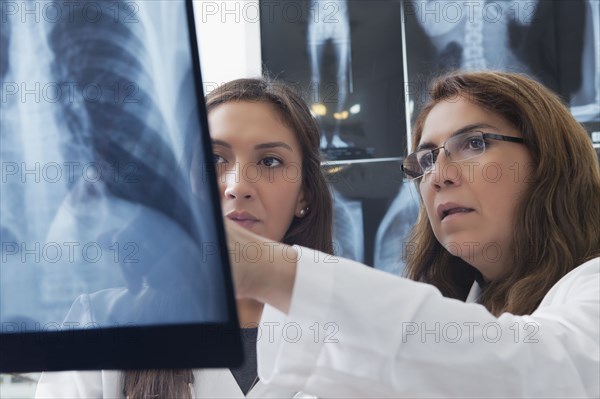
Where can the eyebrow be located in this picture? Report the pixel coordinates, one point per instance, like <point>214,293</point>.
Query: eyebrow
<point>274,144</point>
<point>221,143</point>
<point>465,129</point>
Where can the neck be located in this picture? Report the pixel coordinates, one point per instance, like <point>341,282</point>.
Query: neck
<point>491,269</point>
<point>249,312</point>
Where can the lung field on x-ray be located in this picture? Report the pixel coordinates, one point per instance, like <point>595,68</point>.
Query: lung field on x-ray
<point>123,129</point>
<point>128,109</point>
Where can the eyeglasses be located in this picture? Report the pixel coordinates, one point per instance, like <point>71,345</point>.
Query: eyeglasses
<point>461,147</point>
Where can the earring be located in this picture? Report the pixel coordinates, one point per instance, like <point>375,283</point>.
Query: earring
<point>303,212</point>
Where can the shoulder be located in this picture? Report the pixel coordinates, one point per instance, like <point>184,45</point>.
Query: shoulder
<point>588,271</point>
<point>79,384</point>
<point>580,284</point>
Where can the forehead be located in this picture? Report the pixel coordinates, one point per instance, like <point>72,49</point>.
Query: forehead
<point>249,119</point>
<point>449,116</point>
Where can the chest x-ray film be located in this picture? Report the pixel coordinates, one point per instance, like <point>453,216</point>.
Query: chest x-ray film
<point>111,257</point>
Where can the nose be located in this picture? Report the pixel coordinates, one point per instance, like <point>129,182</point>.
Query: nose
<point>237,186</point>
<point>445,173</point>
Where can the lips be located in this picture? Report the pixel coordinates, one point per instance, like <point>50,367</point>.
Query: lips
<point>449,208</point>
<point>242,217</point>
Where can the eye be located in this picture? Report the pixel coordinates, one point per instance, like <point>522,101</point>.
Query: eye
<point>474,144</point>
<point>270,162</point>
<point>425,160</point>
<point>219,159</point>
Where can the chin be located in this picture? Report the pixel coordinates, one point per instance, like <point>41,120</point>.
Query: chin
<point>454,248</point>
<point>256,230</point>
<point>466,248</point>
<point>269,236</point>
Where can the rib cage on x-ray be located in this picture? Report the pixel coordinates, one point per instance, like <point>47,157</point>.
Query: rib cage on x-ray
<point>130,117</point>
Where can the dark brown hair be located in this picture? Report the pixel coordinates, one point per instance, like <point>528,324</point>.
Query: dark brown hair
<point>556,225</point>
<point>148,384</point>
<point>314,230</point>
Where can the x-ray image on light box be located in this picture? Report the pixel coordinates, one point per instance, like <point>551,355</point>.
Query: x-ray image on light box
<point>345,58</point>
<point>555,42</point>
<point>108,249</point>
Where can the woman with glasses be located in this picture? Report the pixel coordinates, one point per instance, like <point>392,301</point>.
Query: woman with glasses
<point>505,258</point>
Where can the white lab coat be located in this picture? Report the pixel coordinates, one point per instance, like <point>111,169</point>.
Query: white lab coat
<point>108,384</point>
<point>102,307</point>
<point>357,332</point>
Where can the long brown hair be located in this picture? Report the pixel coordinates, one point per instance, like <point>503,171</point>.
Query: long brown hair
<point>314,230</point>
<point>556,225</point>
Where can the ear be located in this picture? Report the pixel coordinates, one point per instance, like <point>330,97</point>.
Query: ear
<point>301,205</point>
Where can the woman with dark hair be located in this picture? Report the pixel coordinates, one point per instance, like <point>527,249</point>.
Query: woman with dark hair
<point>266,152</point>
<point>509,223</point>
